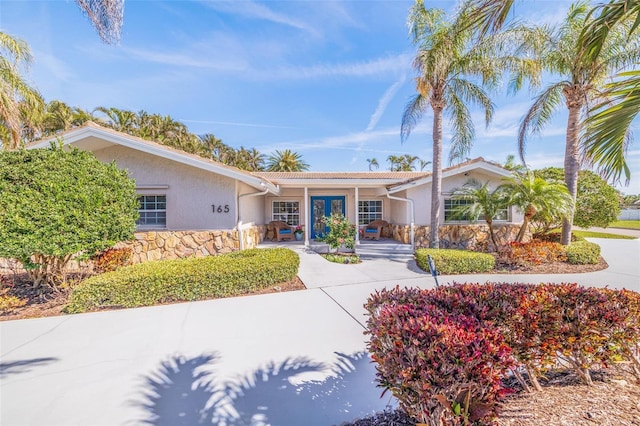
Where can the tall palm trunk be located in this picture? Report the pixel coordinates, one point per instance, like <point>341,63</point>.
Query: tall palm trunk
<point>528,215</point>
<point>574,97</point>
<point>436,182</point>
<point>492,234</point>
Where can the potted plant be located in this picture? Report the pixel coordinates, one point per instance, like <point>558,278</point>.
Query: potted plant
<point>298,233</point>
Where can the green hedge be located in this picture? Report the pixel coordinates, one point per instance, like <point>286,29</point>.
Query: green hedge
<point>185,279</point>
<point>450,262</point>
<point>583,253</point>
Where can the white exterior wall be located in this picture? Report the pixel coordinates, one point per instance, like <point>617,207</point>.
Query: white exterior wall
<point>251,207</point>
<point>190,191</point>
<point>421,196</point>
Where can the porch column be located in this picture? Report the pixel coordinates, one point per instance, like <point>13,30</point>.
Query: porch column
<point>306,217</point>
<point>357,221</point>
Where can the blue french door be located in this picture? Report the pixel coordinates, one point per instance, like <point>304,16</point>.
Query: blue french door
<point>324,206</point>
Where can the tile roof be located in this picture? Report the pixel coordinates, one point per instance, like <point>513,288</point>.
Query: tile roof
<point>340,175</point>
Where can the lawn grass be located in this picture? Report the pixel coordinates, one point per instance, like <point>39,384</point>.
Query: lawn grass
<point>626,224</point>
<point>591,234</point>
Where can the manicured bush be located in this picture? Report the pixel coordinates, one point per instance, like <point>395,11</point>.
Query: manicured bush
<point>450,262</point>
<point>443,368</point>
<point>186,279</point>
<point>56,203</point>
<point>341,232</point>
<point>339,258</point>
<point>583,253</point>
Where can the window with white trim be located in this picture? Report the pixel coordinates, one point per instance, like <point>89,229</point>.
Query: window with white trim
<point>286,211</point>
<point>153,211</point>
<point>368,211</point>
<point>450,215</point>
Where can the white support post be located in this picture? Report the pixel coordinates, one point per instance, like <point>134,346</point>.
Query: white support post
<point>357,219</point>
<point>306,217</point>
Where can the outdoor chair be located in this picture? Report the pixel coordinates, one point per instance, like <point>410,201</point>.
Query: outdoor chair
<point>281,231</point>
<point>373,231</point>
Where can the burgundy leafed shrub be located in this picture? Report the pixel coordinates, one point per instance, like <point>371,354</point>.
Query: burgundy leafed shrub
<point>111,259</point>
<point>442,367</point>
<point>534,252</point>
<point>443,352</point>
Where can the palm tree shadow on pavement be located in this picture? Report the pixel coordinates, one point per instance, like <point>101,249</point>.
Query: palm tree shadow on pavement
<point>183,393</point>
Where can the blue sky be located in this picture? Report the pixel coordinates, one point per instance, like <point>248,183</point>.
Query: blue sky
<point>327,79</point>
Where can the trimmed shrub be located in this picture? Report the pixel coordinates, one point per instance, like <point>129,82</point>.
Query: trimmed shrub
<point>583,253</point>
<point>443,368</point>
<point>450,262</point>
<point>185,279</point>
<point>58,203</point>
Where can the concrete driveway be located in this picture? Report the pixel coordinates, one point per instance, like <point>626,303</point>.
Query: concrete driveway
<point>281,359</point>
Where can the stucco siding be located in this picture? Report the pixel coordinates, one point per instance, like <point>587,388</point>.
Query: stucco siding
<point>190,192</point>
<point>252,207</point>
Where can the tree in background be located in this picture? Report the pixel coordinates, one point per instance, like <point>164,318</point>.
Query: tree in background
<point>20,104</point>
<point>535,197</point>
<point>55,204</point>
<point>579,84</point>
<point>511,165</point>
<point>286,161</point>
<point>373,163</point>
<point>480,201</point>
<point>597,203</point>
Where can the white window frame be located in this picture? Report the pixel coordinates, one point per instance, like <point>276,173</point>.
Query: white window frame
<point>365,220</point>
<point>291,213</point>
<point>506,210</point>
<point>156,224</point>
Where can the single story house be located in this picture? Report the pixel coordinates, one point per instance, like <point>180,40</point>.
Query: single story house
<point>190,205</point>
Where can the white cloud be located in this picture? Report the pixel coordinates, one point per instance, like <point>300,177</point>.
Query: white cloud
<point>386,65</point>
<point>250,9</point>
<point>384,101</point>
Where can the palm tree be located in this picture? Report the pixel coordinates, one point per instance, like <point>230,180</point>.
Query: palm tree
<point>407,163</point>
<point>58,117</point>
<point>394,162</point>
<point>580,77</point>
<point>119,119</point>
<point>511,165</point>
<point>424,164</point>
<point>533,195</point>
<point>607,136</point>
<point>480,201</point>
<point>286,161</point>
<point>19,103</point>
<point>106,16</point>
<point>446,56</point>
<point>373,163</point>
<point>255,160</point>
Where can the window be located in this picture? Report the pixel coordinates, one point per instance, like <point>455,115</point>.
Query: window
<point>368,211</point>
<point>287,211</point>
<point>451,205</point>
<point>153,211</point>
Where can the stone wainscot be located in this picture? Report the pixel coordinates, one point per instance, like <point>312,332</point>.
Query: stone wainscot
<point>159,245</point>
<point>470,237</point>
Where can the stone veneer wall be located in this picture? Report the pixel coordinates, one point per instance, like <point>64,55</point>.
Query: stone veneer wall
<point>157,245</point>
<point>474,236</point>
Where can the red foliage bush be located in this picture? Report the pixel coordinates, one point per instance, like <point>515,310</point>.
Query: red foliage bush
<point>111,259</point>
<point>444,368</point>
<point>533,253</point>
<point>442,352</point>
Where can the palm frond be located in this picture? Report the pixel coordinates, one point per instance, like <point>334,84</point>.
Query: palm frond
<point>413,112</point>
<point>607,134</point>
<point>543,108</point>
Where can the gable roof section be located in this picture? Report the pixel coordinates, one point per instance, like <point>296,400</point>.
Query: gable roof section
<point>475,164</point>
<point>92,137</point>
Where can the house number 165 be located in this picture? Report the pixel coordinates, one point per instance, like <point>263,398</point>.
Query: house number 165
<point>220,208</point>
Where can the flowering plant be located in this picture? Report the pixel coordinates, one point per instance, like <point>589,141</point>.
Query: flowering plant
<point>341,232</point>
<point>299,229</point>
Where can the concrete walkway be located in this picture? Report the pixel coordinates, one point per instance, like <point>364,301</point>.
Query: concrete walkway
<point>296,358</point>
